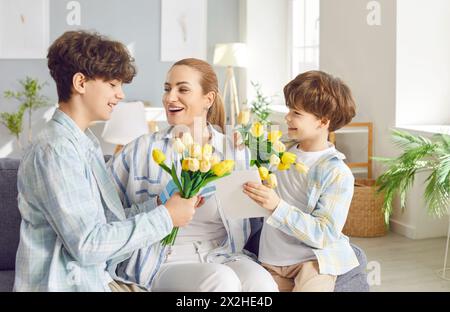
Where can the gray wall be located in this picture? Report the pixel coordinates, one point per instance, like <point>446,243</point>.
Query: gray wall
<point>127,21</point>
<point>364,57</point>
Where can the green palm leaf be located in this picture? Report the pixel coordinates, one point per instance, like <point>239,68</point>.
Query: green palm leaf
<point>420,154</point>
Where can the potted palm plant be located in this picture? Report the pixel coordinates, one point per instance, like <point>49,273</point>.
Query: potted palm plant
<point>419,154</point>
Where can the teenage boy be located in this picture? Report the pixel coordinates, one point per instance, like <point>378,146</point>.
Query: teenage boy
<point>74,229</point>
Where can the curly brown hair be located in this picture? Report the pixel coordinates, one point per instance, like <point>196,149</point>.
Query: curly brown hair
<point>91,54</point>
<point>322,95</point>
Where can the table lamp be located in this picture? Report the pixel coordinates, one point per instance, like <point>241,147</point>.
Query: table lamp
<point>231,55</point>
<point>127,123</point>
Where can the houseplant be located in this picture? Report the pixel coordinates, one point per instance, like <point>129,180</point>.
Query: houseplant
<point>13,121</point>
<point>419,154</point>
<point>260,105</point>
<point>30,99</point>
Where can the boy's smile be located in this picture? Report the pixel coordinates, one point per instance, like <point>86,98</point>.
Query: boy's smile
<point>306,128</point>
<point>111,105</point>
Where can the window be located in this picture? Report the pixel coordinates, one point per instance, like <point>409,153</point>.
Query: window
<point>305,35</point>
<point>423,65</point>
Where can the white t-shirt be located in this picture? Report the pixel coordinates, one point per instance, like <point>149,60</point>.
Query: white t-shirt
<point>206,225</point>
<point>276,247</point>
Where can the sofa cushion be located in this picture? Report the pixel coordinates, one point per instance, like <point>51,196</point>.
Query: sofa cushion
<point>6,281</point>
<point>356,279</point>
<point>9,212</point>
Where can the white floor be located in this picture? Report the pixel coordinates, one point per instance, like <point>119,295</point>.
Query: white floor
<point>406,264</point>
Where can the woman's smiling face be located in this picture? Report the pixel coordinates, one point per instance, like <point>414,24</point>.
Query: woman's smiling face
<point>184,99</point>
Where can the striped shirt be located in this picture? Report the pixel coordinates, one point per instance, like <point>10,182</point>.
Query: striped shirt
<point>138,178</point>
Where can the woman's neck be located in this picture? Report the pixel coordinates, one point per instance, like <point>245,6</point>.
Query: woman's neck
<point>200,132</point>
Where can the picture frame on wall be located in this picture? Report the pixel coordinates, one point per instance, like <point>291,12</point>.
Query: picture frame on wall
<point>24,29</point>
<point>183,29</point>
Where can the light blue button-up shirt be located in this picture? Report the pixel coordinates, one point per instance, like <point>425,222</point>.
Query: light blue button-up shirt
<point>74,229</point>
<point>319,224</point>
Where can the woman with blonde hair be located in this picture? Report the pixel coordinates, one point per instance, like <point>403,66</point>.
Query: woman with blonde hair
<point>208,254</point>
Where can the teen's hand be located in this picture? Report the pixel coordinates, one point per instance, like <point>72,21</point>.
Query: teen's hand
<point>262,195</point>
<point>181,210</point>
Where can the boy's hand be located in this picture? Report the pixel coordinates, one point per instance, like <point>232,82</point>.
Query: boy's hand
<point>262,195</point>
<point>181,210</point>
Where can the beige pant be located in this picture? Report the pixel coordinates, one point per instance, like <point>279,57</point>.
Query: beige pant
<point>301,277</point>
<point>117,286</point>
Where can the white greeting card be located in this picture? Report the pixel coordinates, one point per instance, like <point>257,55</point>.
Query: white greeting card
<point>236,204</point>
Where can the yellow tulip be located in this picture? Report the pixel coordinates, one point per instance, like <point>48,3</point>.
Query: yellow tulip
<point>283,166</point>
<point>178,146</point>
<point>223,167</point>
<point>229,165</point>
<point>195,150</point>
<point>205,165</point>
<point>207,151</point>
<point>257,129</point>
<point>279,147</point>
<point>272,181</point>
<point>301,168</point>
<point>185,164</point>
<point>187,139</point>
<point>274,160</point>
<point>215,159</point>
<point>158,156</point>
<point>263,173</point>
<point>244,117</point>
<point>288,158</point>
<point>193,164</point>
<point>274,136</point>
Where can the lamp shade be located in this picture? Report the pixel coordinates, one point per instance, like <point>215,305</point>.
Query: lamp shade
<point>230,54</point>
<point>126,124</point>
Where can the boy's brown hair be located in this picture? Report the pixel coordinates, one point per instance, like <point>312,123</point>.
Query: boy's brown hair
<point>322,95</point>
<point>91,54</point>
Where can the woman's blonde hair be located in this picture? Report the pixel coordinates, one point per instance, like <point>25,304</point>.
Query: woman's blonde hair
<point>208,81</point>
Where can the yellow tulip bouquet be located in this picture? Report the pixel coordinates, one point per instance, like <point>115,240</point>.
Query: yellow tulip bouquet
<point>199,166</point>
<point>267,150</point>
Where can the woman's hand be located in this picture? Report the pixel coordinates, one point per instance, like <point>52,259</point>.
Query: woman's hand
<point>238,141</point>
<point>262,195</point>
<point>200,202</point>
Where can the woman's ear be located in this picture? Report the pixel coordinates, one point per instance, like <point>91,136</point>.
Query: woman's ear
<point>79,83</point>
<point>210,97</point>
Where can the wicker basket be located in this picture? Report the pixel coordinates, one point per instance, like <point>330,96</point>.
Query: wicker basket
<point>365,217</point>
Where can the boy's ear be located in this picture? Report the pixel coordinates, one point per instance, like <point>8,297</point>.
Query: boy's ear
<point>325,123</point>
<point>79,83</point>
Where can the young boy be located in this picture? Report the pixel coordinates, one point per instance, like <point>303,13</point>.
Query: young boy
<point>302,244</point>
<point>74,229</point>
